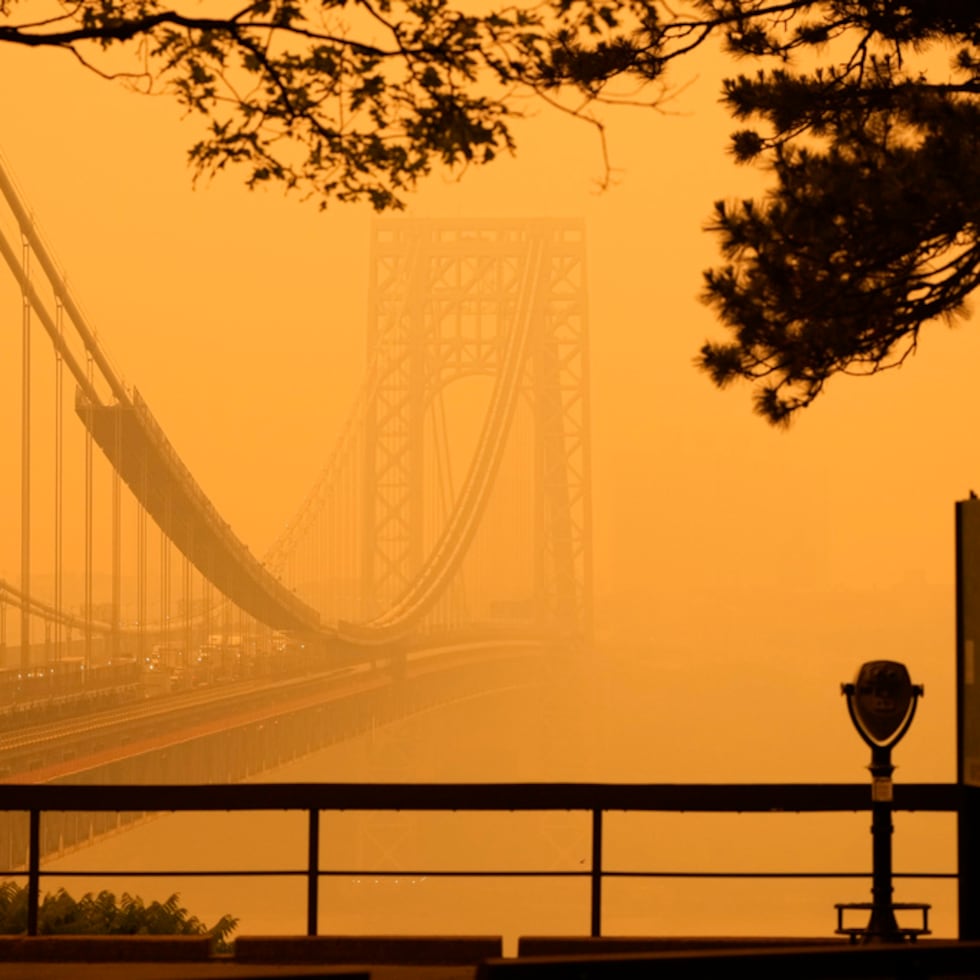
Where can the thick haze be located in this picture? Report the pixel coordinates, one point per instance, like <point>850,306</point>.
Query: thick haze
<point>778,561</point>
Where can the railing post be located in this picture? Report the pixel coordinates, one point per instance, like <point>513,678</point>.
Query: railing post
<point>968,862</point>
<point>596,925</point>
<point>33,870</point>
<point>313,873</point>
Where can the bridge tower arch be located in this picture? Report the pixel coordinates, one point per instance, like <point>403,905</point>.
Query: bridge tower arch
<point>443,297</point>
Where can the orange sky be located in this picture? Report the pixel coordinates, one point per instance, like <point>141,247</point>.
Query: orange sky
<point>782,559</point>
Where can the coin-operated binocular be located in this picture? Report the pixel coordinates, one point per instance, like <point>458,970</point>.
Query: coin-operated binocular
<point>882,702</point>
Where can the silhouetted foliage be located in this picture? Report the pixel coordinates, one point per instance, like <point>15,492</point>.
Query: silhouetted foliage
<point>864,112</point>
<point>104,915</point>
<point>870,228</point>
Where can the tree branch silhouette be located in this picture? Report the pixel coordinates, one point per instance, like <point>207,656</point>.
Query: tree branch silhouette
<point>863,112</point>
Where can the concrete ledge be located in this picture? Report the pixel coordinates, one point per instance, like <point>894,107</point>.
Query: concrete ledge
<point>105,949</point>
<point>600,945</point>
<point>390,950</point>
<point>925,960</point>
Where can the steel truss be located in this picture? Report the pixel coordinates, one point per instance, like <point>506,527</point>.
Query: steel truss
<point>444,297</point>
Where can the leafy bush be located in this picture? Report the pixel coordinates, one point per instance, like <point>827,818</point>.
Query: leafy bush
<point>104,914</point>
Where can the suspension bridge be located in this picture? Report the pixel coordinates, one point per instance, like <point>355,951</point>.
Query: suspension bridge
<point>455,502</point>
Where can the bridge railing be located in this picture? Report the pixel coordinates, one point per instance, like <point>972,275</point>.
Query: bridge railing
<point>594,798</point>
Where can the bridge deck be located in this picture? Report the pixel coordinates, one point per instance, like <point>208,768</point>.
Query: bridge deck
<point>138,449</point>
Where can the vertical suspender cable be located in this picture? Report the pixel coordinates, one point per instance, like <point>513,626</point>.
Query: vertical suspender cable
<point>141,559</point>
<point>116,539</point>
<point>88,528</point>
<point>58,485</point>
<point>316,593</point>
<point>25,472</point>
<point>165,581</point>
<point>208,596</point>
<point>187,613</point>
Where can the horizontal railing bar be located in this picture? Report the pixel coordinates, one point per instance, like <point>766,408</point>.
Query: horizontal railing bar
<point>773,874</point>
<point>467,873</point>
<point>624,874</point>
<point>672,797</point>
<point>99,873</point>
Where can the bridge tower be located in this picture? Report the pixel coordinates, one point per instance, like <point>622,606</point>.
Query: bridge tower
<point>444,296</point>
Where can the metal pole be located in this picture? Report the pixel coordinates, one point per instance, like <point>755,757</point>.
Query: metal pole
<point>882,926</point>
<point>313,874</point>
<point>968,810</point>
<point>33,870</point>
<point>596,926</point>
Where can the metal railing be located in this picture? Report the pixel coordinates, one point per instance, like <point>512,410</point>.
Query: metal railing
<point>596,799</point>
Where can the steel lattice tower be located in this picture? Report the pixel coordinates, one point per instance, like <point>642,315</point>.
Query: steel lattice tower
<point>443,297</point>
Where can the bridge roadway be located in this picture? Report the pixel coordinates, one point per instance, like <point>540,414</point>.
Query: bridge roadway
<point>229,734</point>
<point>358,694</point>
<point>56,750</point>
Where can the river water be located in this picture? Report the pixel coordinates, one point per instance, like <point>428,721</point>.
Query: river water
<point>615,719</point>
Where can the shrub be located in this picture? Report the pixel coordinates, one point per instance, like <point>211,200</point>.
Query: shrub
<point>104,914</point>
